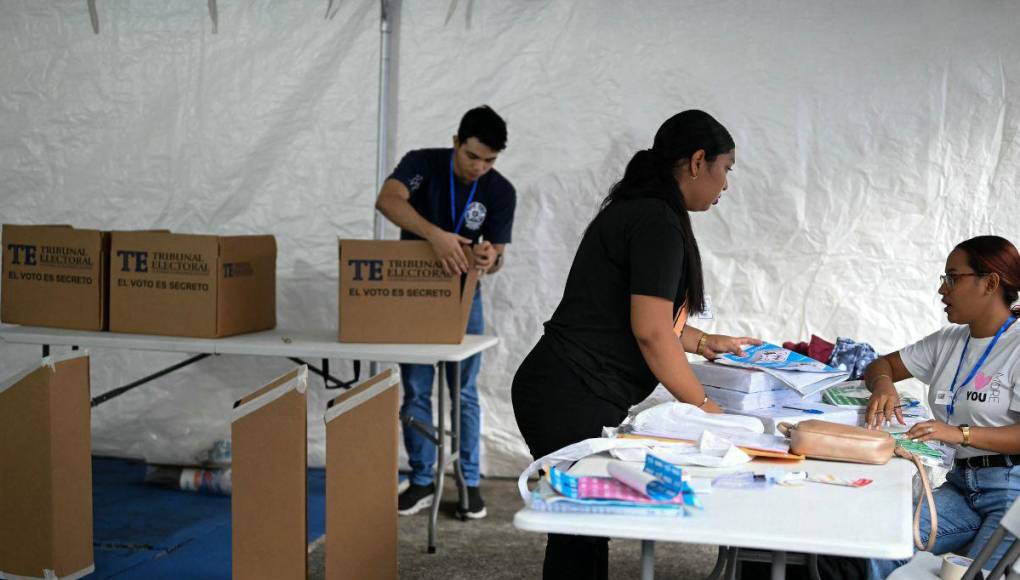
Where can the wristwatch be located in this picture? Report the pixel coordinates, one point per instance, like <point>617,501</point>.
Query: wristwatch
<point>965,429</point>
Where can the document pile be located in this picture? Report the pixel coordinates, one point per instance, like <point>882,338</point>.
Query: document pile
<point>743,389</point>
<point>660,489</point>
<point>804,375</point>
<point>854,395</point>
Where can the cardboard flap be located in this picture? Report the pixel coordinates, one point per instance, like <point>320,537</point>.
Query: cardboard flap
<point>469,283</point>
<point>296,380</point>
<point>246,299</point>
<point>360,393</point>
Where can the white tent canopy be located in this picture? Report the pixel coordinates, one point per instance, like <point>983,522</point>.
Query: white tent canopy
<point>871,138</point>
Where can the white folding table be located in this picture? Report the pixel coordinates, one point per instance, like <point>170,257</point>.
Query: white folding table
<point>292,344</point>
<point>871,522</point>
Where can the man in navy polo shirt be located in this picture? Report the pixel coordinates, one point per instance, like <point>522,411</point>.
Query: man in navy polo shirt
<point>451,198</point>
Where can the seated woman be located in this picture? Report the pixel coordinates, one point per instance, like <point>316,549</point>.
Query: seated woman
<point>972,369</point>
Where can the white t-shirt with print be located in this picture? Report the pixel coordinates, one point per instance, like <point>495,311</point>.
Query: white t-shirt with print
<point>991,398</point>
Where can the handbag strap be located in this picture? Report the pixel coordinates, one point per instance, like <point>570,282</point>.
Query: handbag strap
<point>927,498</point>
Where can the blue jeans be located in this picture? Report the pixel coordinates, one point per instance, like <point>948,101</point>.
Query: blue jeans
<point>969,505</point>
<point>417,381</point>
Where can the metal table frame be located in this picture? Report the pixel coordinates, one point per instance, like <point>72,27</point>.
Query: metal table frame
<point>295,345</point>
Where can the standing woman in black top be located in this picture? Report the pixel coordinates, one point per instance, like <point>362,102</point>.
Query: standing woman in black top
<point>620,328</point>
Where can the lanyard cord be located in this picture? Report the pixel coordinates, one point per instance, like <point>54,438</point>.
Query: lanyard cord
<point>457,224</point>
<point>952,389</point>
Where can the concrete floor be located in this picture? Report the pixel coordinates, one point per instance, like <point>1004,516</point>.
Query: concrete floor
<point>491,548</point>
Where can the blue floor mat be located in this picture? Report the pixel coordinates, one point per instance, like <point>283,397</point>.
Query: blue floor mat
<point>146,531</point>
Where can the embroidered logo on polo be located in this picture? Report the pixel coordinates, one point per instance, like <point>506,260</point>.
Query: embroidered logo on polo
<point>416,182</point>
<point>475,215</point>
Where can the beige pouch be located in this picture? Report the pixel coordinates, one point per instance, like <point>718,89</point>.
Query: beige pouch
<point>836,442</point>
<point>824,440</point>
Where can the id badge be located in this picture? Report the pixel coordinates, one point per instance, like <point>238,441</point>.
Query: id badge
<point>942,398</point>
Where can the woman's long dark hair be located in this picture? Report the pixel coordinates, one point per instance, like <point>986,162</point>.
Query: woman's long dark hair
<point>650,174</point>
<point>995,255</point>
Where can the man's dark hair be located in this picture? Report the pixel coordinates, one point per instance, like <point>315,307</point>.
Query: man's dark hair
<point>485,125</point>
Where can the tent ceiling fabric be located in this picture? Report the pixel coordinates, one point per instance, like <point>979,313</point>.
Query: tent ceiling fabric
<point>869,142</point>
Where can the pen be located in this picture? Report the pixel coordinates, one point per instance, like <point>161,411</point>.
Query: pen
<point>908,405</point>
<point>803,410</point>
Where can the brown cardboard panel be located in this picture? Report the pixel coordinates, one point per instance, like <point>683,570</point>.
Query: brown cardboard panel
<point>397,292</point>
<point>361,485</point>
<point>163,283</point>
<point>54,276</point>
<point>46,488</point>
<point>71,452</point>
<point>247,298</point>
<point>268,505</point>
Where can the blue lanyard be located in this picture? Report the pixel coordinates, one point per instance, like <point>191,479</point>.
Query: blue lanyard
<point>453,200</point>
<point>973,371</point>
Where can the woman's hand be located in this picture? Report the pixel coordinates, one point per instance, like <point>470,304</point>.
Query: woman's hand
<point>883,405</point>
<point>937,431</point>
<point>711,406</point>
<point>717,344</point>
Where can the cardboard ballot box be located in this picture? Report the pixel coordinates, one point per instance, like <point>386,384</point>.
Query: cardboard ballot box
<point>54,276</point>
<point>46,470</point>
<point>190,285</point>
<point>397,292</point>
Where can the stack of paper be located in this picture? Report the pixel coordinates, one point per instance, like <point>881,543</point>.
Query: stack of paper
<point>736,378</point>
<point>802,374</point>
<point>732,400</point>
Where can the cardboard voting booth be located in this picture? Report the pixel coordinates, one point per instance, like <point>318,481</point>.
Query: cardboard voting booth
<point>361,481</point>
<point>192,285</point>
<point>269,518</point>
<point>46,471</point>
<point>54,276</point>
<point>397,292</point>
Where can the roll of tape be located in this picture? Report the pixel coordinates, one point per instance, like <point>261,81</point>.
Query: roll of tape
<point>953,567</point>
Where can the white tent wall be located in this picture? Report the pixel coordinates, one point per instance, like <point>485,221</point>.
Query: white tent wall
<point>265,127</point>
<point>871,137</point>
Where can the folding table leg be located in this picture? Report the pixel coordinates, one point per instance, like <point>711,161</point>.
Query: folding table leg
<point>440,458</point>
<point>732,561</point>
<point>812,564</point>
<point>778,565</point>
<point>45,350</point>
<point>720,564</point>
<point>647,559</point>
<point>455,451</point>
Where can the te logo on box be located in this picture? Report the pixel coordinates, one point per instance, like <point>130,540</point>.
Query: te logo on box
<point>370,268</point>
<point>132,261</point>
<point>22,254</point>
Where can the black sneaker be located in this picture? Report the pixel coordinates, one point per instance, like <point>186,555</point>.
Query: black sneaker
<point>476,506</point>
<point>415,499</point>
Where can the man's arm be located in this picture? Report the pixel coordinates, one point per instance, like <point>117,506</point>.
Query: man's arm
<point>393,202</point>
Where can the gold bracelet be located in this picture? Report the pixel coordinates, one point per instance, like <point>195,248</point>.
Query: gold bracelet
<point>701,343</point>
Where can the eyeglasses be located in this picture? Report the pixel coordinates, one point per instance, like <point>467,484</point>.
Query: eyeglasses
<point>949,280</point>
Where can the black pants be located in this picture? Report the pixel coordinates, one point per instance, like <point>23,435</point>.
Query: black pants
<point>554,409</point>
